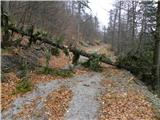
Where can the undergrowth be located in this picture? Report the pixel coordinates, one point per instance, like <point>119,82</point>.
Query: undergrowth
<point>93,63</point>
<point>140,63</point>
<point>24,85</point>
<point>6,50</point>
<point>56,72</point>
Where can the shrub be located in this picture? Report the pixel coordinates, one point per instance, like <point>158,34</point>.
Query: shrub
<point>23,86</point>
<point>24,70</point>
<point>55,51</point>
<point>47,56</point>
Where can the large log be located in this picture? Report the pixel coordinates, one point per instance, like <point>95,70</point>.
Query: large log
<point>34,38</point>
<point>50,42</point>
<point>71,49</point>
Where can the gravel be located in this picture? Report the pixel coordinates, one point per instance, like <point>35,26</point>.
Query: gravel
<point>84,105</point>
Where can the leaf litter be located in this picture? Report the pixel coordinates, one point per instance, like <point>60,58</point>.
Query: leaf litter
<point>55,105</point>
<point>121,100</point>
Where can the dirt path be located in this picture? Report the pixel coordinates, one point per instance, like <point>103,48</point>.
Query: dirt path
<point>85,103</point>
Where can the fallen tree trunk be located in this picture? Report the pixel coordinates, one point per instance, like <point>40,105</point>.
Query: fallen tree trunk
<point>71,49</point>
<point>75,51</point>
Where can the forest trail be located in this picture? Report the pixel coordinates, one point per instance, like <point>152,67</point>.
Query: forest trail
<point>111,95</point>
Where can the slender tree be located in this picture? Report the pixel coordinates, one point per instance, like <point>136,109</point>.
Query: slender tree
<point>156,58</point>
<point>119,28</point>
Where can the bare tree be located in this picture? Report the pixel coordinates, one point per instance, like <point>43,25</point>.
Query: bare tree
<point>156,58</point>
<point>119,27</point>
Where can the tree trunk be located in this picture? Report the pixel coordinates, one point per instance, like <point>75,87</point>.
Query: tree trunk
<point>119,28</point>
<point>6,35</point>
<point>156,58</point>
<point>114,26</point>
<point>78,25</point>
<point>133,22</point>
<point>5,6</point>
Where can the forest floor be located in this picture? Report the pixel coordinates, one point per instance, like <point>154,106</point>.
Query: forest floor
<point>110,95</point>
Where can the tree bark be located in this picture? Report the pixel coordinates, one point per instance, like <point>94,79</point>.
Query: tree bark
<point>114,27</point>
<point>156,58</point>
<point>119,27</point>
<point>133,22</point>
<point>6,35</point>
<point>78,25</point>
